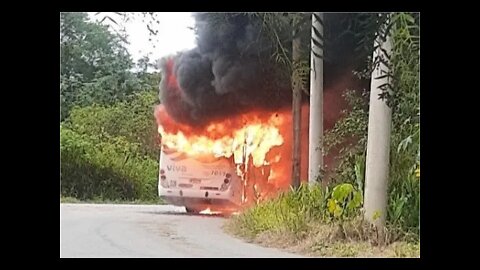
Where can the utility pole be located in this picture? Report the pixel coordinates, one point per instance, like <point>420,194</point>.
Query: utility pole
<point>315,153</point>
<point>378,143</point>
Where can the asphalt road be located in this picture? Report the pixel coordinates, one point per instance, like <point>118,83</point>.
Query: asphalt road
<point>132,231</point>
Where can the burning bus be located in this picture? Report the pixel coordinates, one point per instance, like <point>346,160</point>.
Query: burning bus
<point>225,165</point>
<point>226,110</point>
<point>198,183</point>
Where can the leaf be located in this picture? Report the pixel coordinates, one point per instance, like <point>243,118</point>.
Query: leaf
<point>385,53</point>
<point>319,19</point>
<point>332,205</point>
<point>317,43</point>
<point>389,27</point>
<point>404,144</point>
<point>340,192</point>
<point>317,33</point>
<point>398,208</point>
<point>409,18</point>
<point>303,20</point>
<point>317,55</point>
<point>385,86</point>
<point>112,20</point>
<point>151,30</point>
<point>383,76</point>
<point>360,171</point>
<point>355,202</point>
<point>338,212</point>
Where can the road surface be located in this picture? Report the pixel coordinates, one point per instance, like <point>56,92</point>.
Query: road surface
<point>100,230</point>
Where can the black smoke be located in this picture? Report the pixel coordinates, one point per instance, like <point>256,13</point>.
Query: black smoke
<point>232,69</point>
<point>229,72</point>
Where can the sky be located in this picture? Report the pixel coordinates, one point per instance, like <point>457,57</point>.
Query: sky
<point>173,34</point>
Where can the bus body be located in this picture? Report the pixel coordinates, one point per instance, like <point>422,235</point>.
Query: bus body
<point>199,183</point>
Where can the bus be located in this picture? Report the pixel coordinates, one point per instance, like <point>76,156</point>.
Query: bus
<point>199,183</point>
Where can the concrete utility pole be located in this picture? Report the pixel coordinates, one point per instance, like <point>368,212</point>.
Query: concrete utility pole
<point>378,143</point>
<point>315,155</point>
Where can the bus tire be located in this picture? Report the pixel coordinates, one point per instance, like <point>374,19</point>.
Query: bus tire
<point>190,210</point>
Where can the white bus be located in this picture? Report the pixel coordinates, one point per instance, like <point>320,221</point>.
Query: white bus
<point>199,183</point>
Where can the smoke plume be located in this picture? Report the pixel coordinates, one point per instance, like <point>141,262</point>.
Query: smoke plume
<point>232,69</point>
<point>229,72</point>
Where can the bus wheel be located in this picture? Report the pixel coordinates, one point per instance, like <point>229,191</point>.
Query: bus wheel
<point>190,210</point>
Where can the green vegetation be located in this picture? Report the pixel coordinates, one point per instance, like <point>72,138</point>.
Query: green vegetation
<point>109,142</point>
<point>404,187</point>
<point>108,138</point>
<point>320,221</point>
<point>99,200</point>
<point>333,214</point>
<point>297,210</point>
<point>105,166</point>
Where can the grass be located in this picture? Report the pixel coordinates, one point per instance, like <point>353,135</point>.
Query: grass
<point>364,249</point>
<point>69,200</point>
<point>106,201</point>
<point>302,221</point>
<point>324,240</point>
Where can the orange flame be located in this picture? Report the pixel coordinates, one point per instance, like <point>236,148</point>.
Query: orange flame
<point>209,212</point>
<point>255,139</point>
<point>263,138</point>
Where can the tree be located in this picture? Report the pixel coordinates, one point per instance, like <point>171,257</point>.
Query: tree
<point>327,45</point>
<point>94,64</point>
<point>403,97</point>
<point>296,110</point>
<point>286,29</point>
<point>150,19</point>
<point>130,119</point>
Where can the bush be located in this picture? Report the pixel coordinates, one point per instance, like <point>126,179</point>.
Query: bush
<point>328,215</point>
<point>132,120</point>
<point>403,209</point>
<point>95,167</point>
<point>296,210</point>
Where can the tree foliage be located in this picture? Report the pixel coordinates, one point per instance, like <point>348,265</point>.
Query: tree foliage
<point>111,151</point>
<point>132,120</point>
<point>403,96</point>
<point>108,137</point>
<point>94,167</point>
<point>94,64</point>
